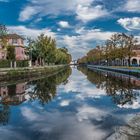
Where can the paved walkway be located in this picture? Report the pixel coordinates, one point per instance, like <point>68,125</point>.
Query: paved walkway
<point>122,70</point>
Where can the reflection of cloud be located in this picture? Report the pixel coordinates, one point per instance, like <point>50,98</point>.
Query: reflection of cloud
<point>12,134</point>
<point>65,103</point>
<point>82,87</point>
<point>87,112</point>
<point>61,126</point>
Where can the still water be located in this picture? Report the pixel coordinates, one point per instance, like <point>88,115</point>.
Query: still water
<point>76,104</point>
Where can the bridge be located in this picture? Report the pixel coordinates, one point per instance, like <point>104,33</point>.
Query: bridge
<point>74,62</point>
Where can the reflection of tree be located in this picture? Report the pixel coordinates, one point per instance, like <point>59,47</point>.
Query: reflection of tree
<point>45,89</point>
<point>12,90</point>
<point>122,89</point>
<point>4,114</point>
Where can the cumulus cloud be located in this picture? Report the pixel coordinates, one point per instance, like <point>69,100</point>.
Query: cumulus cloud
<point>29,32</point>
<point>130,23</point>
<point>87,13</point>
<point>85,40</point>
<point>28,12</point>
<point>83,9</point>
<point>132,6</point>
<point>64,24</point>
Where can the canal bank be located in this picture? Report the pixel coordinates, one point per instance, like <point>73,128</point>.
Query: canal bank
<point>134,72</point>
<point>29,72</point>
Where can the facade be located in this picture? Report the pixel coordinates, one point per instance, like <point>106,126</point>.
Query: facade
<point>134,61</point>
<point>18,42</point>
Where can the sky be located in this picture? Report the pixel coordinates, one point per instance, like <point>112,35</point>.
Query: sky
<point>78,25</point>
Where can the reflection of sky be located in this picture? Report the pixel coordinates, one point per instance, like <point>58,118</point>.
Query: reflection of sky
<point>80,111</point>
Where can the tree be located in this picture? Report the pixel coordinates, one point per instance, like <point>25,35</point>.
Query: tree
<point>46,47</point>
<point>3,33</point>
<point>130,44</point>
<point>11,53</point>
<point>3,30</point>
<point>62,56</point>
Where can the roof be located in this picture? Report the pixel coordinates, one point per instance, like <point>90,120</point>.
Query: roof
<point>137,47</point>
<point>12,36</point>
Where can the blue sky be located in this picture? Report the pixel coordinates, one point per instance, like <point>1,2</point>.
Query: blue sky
<point>78,25</point>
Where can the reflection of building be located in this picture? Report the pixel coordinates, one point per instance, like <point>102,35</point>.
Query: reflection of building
<point>13,95</point>
<point>18,42</point>
<point>3,92</point>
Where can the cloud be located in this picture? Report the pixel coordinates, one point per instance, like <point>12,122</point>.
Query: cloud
<point>64,24</point>
<point>28,12</point>
<point>85,40</point>
<point>87,13</point>
<point>29,32</point>
<point>130,23</point>
<point>132,6</point>
<point>84,10</point>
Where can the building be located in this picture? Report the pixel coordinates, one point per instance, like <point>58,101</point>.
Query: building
<point>134,61</point>
<point>18,42</point>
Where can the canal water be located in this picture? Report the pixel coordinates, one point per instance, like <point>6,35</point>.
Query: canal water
<point>75,104</point>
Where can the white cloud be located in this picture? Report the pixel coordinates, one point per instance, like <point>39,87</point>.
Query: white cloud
<point>83,9</point>
<point>28,32</point>
<point>80,44</point>
<point>64,24</point>
<point>28,12</point>
<point>130,23</point>
<point>132,6</point>
<point>87,13</point>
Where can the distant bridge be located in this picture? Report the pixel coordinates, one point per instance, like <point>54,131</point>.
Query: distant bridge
<point>74,62</point>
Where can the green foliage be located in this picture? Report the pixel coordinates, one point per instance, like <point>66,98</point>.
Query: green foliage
<point>44,50</point>
<point>4,64</point>
<point>11,53</point>
<point>62,56</point>
<point>3,30</point>
<point>22,63</point>
<point>119,46</point>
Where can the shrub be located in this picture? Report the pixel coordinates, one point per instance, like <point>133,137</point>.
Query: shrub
<point>5,63</point>
<point>22,63</point>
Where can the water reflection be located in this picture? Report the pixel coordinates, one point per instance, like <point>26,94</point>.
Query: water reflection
<point>124,90</point>
<point>78,108</point>
<point>43,90</point>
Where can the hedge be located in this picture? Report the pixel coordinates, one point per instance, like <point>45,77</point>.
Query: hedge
<point>5,63</point>
<point>22,63</point>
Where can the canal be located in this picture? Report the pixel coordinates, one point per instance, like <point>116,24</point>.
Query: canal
<point>75,104</point>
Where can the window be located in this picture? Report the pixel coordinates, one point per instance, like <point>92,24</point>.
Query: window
<point>14,41</point>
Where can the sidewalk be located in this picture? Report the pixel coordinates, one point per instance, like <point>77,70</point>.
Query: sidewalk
<point>125,70</point>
